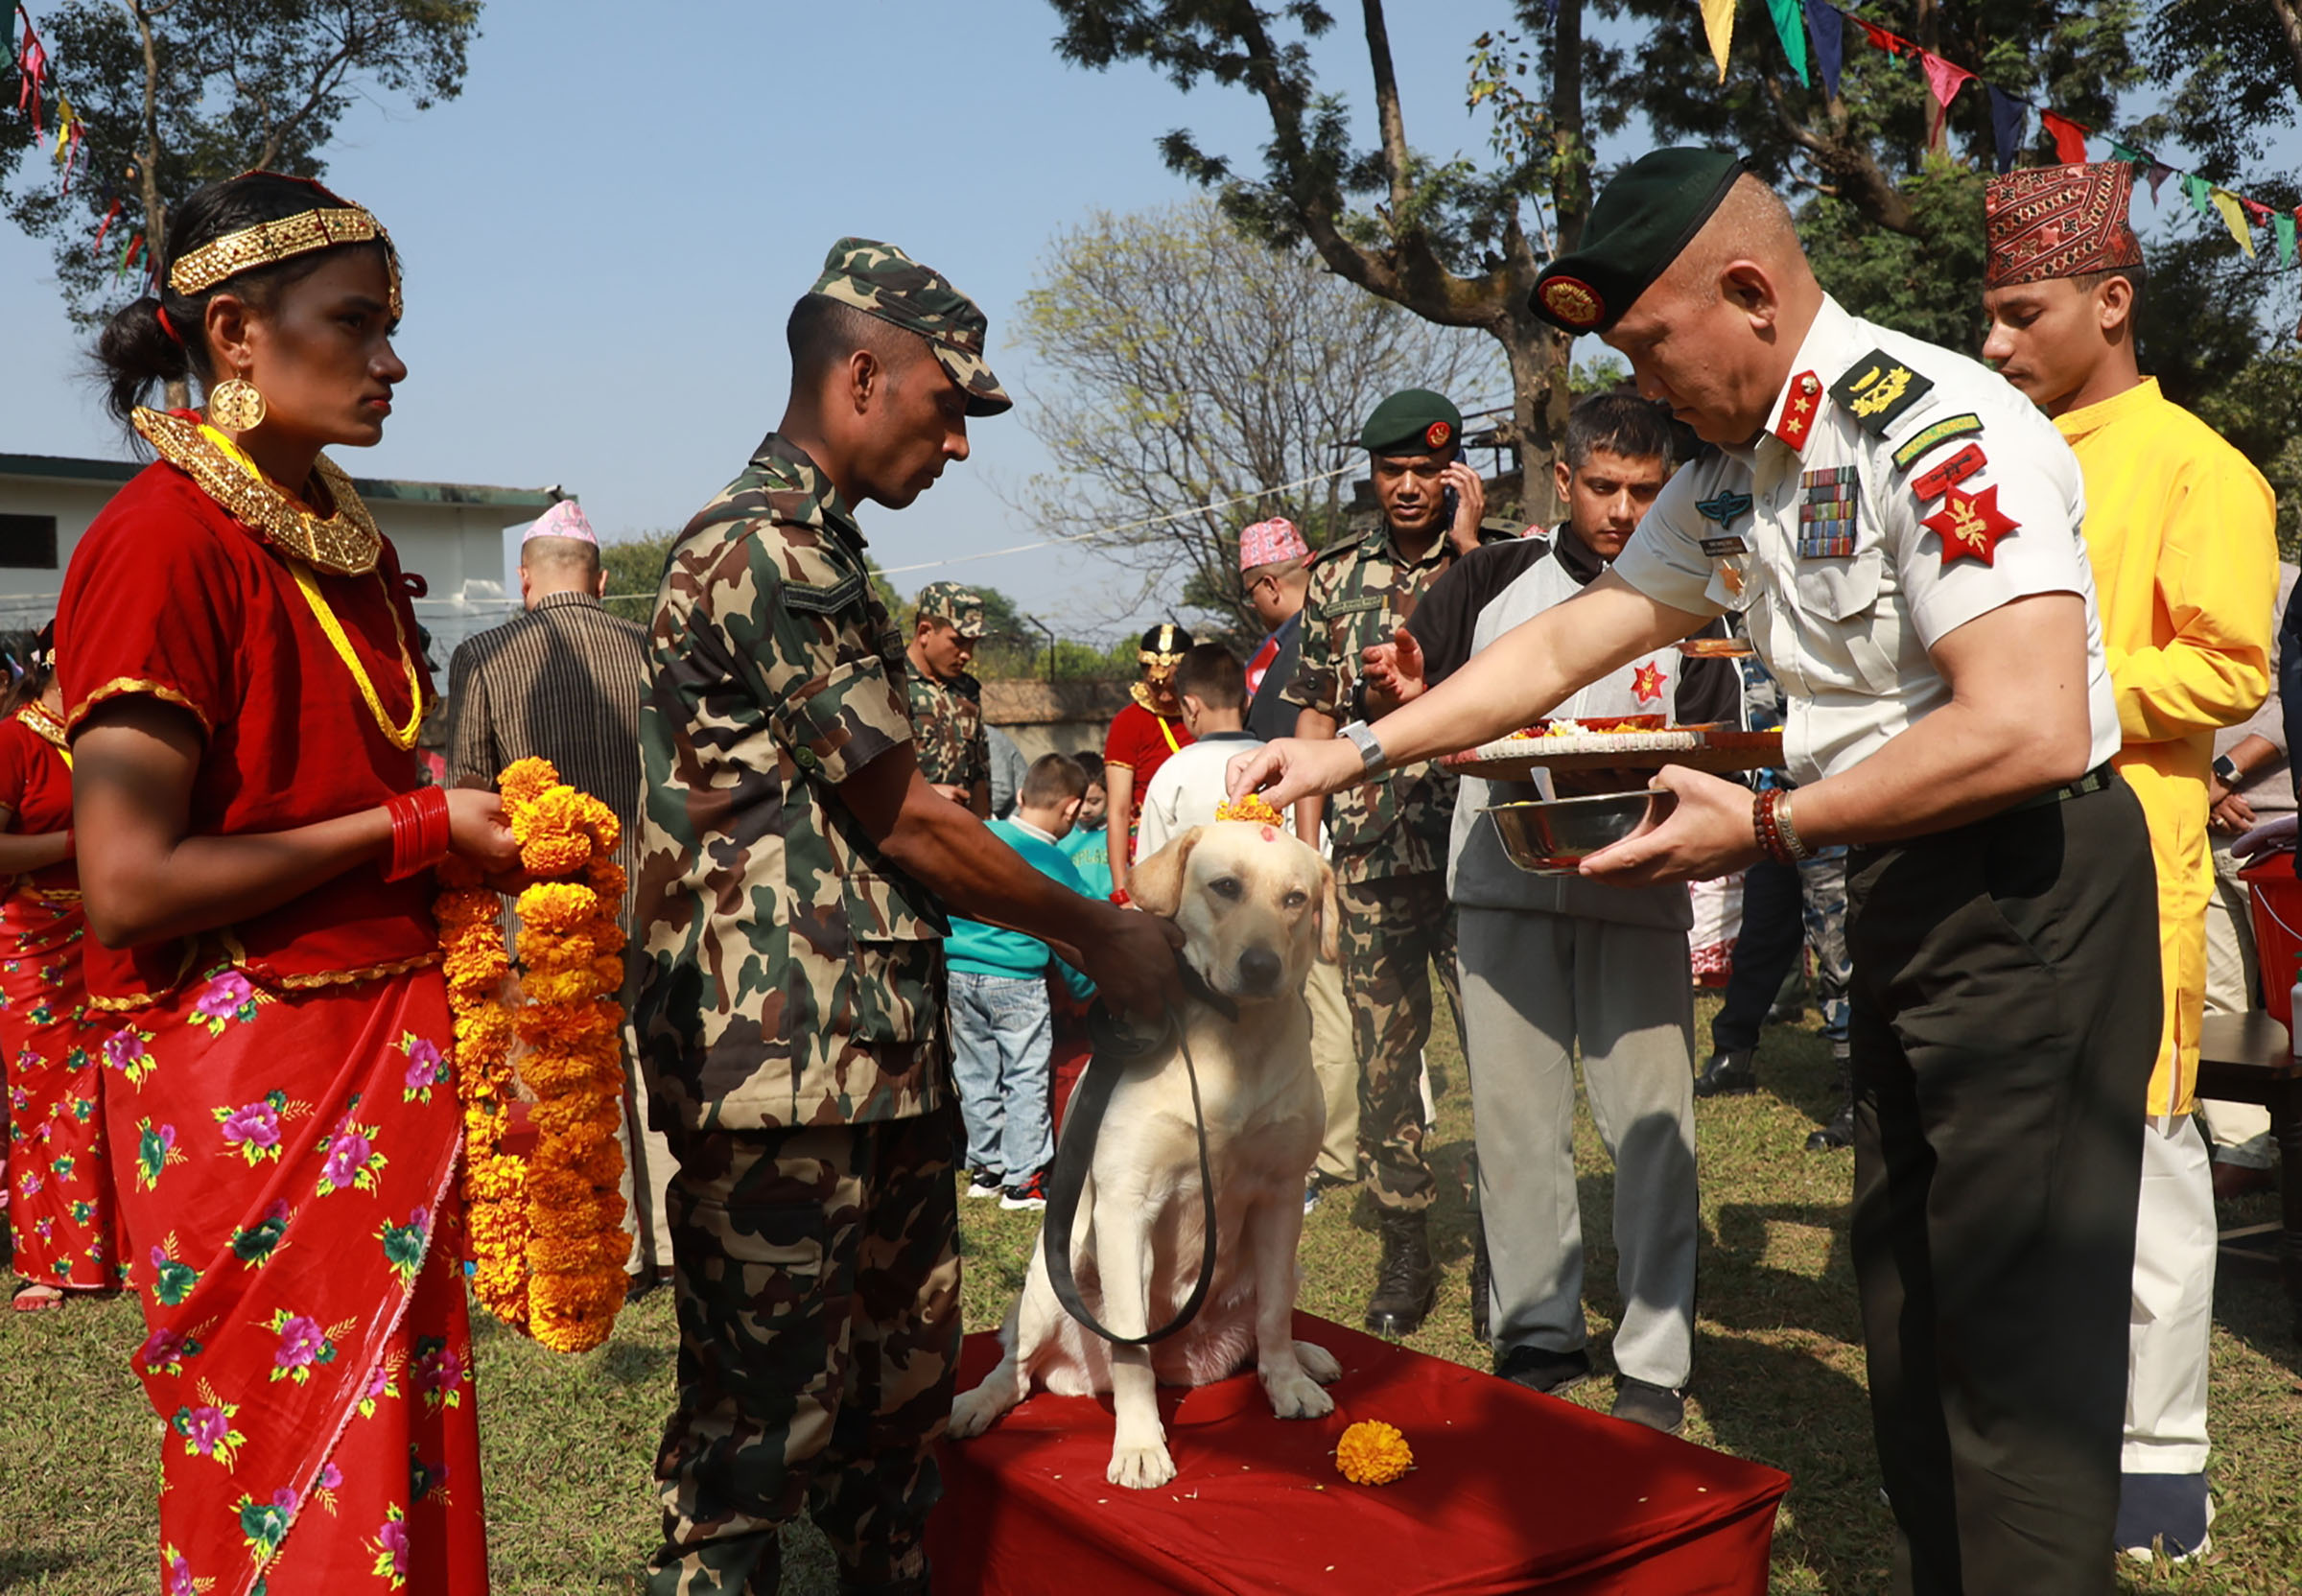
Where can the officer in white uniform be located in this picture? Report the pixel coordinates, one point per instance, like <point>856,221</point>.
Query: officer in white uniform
<point>1902,529</point>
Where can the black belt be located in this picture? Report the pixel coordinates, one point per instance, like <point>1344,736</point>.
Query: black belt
<point>2093,781</point>
<point>1118,1045</point>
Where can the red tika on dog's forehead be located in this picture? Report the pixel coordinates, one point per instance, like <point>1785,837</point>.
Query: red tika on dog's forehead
<point>1270,834</point>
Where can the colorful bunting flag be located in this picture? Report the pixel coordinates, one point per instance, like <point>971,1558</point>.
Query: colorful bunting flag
<point>2159,174</point>
<point>1879,37</point>
<point>1827,24</point>
<point>2008,115</point>
<point>1789,26</point>
<point>2234,217</point>
<point>105,227</point>
<point>1718,25</point>
<point>2196,190</point>
<point>1943,80</point>
<point>2070,138</point>
<point>2281,225</point>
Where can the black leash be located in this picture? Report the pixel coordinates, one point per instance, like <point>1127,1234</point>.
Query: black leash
<point>1118,1046</point>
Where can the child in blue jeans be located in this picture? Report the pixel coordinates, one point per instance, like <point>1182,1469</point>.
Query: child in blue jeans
<point>1002,1026</point>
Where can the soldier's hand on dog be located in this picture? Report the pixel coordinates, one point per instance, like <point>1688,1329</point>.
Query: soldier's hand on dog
<point>1292,768</point>
<point>1393,672</point>
<point>1133,962</point>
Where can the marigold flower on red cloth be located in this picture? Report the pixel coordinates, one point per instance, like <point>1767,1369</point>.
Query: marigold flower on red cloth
<point>1372,1452</point>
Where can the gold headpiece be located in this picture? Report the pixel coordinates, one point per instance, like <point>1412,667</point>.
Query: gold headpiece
<point>269,243</point>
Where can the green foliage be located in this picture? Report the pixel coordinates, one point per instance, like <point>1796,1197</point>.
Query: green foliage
<point>1928,284</point>
<point>233,85</point>
<point>2231,77</point>
<point>635,570</point>
<point>1196,380</point>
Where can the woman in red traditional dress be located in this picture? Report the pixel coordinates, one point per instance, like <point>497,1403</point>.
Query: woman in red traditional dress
<point>1146,730</point>
<point>244,688</point>
<point>61,1219</point>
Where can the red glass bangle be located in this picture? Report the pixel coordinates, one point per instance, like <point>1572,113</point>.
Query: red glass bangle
<point>71,844</point>
<point>419,832</point>
<point>1768,828</point>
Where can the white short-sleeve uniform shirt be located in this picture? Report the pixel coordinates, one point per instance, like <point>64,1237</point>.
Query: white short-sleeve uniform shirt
<point>1819,532</point>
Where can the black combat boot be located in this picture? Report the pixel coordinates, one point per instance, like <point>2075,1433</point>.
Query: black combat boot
<point>1840,1132</point>
<point>1729,1073</point>
<point>1406,1281</point>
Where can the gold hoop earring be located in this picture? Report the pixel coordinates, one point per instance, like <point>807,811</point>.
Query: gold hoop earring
<point>235,406</point>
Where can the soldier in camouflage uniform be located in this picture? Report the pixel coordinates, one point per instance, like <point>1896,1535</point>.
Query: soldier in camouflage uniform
<point>1389,837</point>
<point>947,703</point>
<point>795,869</point>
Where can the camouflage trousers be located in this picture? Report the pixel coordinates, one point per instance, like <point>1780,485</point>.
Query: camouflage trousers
<point>817,1279</point>
<point>1394,928</point>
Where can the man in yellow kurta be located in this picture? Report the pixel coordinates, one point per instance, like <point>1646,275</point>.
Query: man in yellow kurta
<point>2180,530</point>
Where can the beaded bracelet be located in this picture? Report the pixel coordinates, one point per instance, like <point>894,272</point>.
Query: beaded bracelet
<point>1770,823</point>
<point>419,832</point>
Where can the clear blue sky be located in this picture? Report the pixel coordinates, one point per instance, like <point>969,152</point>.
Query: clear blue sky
<point>603,235</point>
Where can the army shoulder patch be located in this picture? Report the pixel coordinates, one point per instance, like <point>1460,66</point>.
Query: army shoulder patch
<point>1878,389</point>
<point>1906,453</point>
<point>823,600</point>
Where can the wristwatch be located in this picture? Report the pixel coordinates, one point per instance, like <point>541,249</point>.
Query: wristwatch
<point>1361,736</point>
<point>2225,770</point>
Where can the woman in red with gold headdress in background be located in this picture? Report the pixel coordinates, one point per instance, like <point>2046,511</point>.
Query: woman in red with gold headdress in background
<point>60,1216</point>
<point>244,690</point>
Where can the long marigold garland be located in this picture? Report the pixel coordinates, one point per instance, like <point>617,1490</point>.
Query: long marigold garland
<point>548,1230</point>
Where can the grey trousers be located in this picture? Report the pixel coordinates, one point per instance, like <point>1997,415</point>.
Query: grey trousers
<point>1533,985</point>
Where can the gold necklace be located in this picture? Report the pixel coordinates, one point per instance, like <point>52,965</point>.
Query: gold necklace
<point>344,544</point>
<point>214,461</point>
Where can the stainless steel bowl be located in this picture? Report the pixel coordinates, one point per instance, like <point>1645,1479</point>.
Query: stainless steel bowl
<point>1551,837</point>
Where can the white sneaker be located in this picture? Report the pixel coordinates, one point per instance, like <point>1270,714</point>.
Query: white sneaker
<point>982,1182</point>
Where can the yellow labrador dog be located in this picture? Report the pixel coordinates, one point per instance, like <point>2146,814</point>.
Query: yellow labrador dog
<point>1255,908</point>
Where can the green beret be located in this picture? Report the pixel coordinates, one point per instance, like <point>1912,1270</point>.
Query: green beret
<point>956,602</point>
<point>881,280</point>
<point>1412,421</point>
<point>1641,221</point>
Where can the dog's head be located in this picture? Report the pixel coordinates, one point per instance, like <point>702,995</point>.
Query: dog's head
<point>1255,905</point>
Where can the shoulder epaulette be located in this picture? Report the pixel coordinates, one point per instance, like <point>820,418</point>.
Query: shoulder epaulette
<point>1878,389</point>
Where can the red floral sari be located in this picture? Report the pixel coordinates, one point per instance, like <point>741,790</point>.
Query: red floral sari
<point>284,1124</point>
<point>61,1208</point>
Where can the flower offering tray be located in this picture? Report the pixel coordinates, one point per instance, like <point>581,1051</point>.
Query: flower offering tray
<point>1625,745</point>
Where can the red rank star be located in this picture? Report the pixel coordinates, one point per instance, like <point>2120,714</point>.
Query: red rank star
<point>1646,683</point>
<point>1970,524</point>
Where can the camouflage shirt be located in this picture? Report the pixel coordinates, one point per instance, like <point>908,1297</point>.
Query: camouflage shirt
<point>791,976</point>
<point>946,729</point>
<point>1362,591</point>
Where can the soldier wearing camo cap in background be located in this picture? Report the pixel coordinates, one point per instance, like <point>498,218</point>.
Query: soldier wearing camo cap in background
<point>794,876</point>
<point>947,703</point>
<point>1390,836</point>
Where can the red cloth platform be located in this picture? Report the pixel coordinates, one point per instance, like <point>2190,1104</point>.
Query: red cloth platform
<point>1512,1492</point>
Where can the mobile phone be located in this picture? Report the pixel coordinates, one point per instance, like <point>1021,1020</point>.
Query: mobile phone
<point>1449,502</point>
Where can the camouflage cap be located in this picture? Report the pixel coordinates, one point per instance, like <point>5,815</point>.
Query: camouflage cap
<point>956,602</point>
<point>881,280</point>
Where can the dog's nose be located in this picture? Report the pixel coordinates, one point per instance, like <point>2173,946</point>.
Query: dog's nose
<point>1258,969</point>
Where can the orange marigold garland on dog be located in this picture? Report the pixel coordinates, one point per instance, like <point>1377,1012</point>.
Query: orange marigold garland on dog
<point>546,1231</point>
<point>1372,1452</point>
<point>1254,807</point>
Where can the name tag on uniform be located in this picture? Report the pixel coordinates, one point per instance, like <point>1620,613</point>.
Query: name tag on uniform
<point>1725,547</point>
<point>1829,515</point>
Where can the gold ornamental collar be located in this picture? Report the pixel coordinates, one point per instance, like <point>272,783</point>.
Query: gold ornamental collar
<point>344,544</point>
<point>36,715</point>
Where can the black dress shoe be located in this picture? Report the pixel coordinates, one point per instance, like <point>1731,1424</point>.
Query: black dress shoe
<point>1406,1281</point>
<point>1839,1133</point>
<point>1728,1074</point>
<point>1656,1407</point>
<point>1540,1369</point>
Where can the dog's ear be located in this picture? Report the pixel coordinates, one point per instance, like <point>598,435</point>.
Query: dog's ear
<point>1330,916</point>
<point>1155,886</point>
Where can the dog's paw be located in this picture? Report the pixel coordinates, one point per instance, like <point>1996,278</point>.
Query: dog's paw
<point>1141,1468</point>
<point>1296,1395</point>
<point>1318,1363</point>
<point>972,1412</point>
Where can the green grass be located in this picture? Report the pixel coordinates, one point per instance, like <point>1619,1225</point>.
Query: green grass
<point>1779,1377</point>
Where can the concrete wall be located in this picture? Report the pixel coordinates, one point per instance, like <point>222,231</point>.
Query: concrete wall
<point>1053,718</point>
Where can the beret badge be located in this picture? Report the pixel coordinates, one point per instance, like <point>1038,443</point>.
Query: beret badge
<point>1437,434</point>
<point>1572,301</point>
